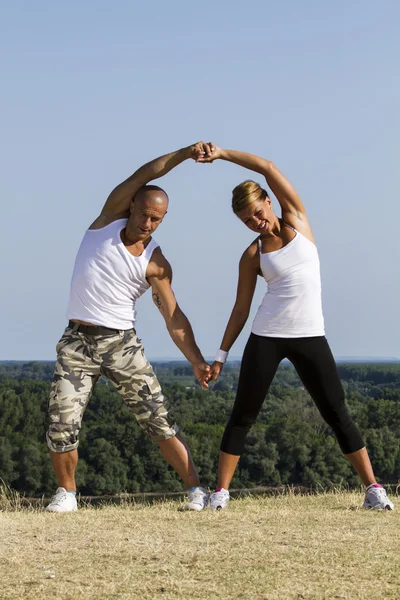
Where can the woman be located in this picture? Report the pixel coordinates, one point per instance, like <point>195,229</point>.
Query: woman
<point>289,324</point>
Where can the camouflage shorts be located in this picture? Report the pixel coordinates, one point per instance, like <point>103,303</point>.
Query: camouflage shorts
<point>81,359</point>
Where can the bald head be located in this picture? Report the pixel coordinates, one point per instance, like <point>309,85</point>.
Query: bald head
<point>147,211</point>
<point>151,195</point>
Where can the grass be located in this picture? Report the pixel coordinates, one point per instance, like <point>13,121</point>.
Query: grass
<point>288,547</point>
<point>10,500</point>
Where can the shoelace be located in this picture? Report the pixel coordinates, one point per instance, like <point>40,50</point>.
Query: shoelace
<point>197,496</point>
<point>380,492</point>
<point>219,496</point>
<point>59,498</point>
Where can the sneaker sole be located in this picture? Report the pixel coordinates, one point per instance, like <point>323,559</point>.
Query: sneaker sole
<point>61,511</point>
<point>387,507</point>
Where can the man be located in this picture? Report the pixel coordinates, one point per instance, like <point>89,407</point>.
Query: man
<point>118,260</point>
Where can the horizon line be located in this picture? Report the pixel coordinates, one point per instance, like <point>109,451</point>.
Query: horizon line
<point>211,358</point>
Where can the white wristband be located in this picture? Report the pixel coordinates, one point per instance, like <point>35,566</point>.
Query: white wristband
<point>221,356</point>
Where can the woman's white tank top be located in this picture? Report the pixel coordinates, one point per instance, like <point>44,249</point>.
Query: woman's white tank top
<point>292,306</point>
<point>107,280</point>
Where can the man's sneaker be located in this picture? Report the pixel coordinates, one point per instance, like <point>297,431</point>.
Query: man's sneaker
<point>62,501</point>
<point>198,499</point>
<point>219,499</point>
<point>376,499</point>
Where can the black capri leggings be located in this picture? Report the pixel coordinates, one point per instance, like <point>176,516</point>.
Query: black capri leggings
<point>315,365</point>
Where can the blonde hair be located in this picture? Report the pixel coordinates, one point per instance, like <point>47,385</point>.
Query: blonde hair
<point>246,193</point>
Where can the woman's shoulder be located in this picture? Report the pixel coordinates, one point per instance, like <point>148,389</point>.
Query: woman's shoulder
<point>252,252</point>
<point>254,247</point>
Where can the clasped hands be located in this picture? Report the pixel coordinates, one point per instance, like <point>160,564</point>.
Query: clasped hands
<point>205,373</point>
<point>204,152</point>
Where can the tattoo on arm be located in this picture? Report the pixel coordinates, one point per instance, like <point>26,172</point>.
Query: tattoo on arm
<point>157,301</point>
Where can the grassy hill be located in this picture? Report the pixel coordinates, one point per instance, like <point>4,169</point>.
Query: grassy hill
<point>288,547</point>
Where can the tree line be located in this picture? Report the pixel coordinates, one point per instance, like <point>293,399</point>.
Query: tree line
<point>290,443</point>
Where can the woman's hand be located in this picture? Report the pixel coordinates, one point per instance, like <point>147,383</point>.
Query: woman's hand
<point>216,369</point>
<point>213,154</point>
<point>201,151</point>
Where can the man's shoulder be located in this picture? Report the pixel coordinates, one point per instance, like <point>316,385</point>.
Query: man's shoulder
<point>158,265</point>
<point>103,221</point>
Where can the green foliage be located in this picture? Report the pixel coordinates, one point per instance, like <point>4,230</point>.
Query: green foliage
<point>290,443</point>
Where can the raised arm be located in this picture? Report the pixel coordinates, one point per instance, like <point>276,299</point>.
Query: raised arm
<point>249,266</point>
<point>119,200</point>
<point>293,211</point>
<point>159,275</point>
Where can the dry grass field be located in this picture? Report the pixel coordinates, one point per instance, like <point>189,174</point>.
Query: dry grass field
<point>288,547</point>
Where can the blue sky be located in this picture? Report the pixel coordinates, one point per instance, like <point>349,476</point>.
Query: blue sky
<point>90,91</point>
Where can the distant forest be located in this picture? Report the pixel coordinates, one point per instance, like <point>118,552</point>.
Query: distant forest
<point>290,444</point>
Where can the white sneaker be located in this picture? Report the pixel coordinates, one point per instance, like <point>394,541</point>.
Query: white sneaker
<point>198,499</point>
<point>376,499</point>
<point>219,500</point>
<point>62,501</point>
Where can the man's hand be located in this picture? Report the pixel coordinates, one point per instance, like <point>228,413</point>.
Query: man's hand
<point>213,154</point>
<point>215,370</point>
<point>201,152</point>
<point>202,373</point>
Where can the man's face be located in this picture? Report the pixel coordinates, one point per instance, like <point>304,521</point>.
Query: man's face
<point>259,216</point>
<point>146,213</point>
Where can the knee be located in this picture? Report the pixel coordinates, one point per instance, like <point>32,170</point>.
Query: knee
<point>242,421</point>
<point>234,438</point>
<point>239,426</point>
<point>154,418</point>
<point>62,438</point>
<point>159,430</point>
<point>337,417</point>
<point>346,431</point>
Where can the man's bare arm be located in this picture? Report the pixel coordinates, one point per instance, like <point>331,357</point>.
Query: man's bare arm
<point>120,198</point>
<point>178,325</point>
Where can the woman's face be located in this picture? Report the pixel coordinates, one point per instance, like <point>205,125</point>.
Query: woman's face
<point>258,216</point>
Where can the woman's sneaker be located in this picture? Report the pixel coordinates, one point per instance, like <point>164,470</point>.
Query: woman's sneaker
<point>62,501</point>
<point>198,499</point>
<point>376,498</point>
<point>219,499</point>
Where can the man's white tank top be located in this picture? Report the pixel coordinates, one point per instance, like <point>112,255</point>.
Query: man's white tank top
<point>292,306</point>
<point>107,280</point>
